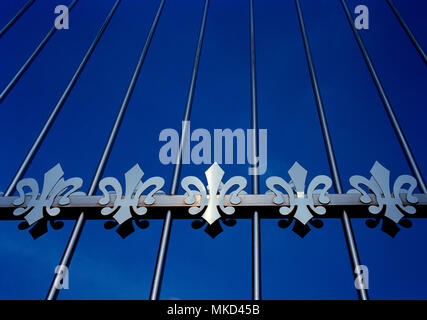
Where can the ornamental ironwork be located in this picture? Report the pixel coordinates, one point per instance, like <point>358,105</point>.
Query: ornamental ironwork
<point>54,186</point>
<point>298,199</point>
<point>124,205</point>
<point>217,191</point>
<point>383,199</point>
<point>300,203</point>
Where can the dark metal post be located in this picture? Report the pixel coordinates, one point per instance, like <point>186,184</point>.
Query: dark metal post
<point>408,31</point>
<point>256,254</point>
<point>389,109</point>
<point>31,58</point>
<point>16,17</point>
<point>167,225</point>
<point>348,231</point>
<point>30,155</point>
<point>78,227</point>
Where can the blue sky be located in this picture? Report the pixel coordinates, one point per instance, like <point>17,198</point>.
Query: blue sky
<point>105,266</point>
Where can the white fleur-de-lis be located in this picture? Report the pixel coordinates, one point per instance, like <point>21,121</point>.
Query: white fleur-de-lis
<point>379,184</point>
<point>297,198</point>
<point>134,189</point>
<point>54,186</point>
<point>214,177</point>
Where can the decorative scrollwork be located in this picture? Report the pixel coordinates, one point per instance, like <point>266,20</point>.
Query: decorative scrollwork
<point>293,199</point>
<point>214,177</point>
<point>54,186</point>
<point>297,198</point>
<point>379,184</point>
<point>134,189</point>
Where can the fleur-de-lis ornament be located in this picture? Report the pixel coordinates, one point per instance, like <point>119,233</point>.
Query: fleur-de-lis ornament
<point>296,192</point>
<point>379,184</point>
<point>214,177</point>
<point>134,189</point>
<point>54,186</point>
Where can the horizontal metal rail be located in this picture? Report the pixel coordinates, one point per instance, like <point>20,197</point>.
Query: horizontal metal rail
<point>163,203</point>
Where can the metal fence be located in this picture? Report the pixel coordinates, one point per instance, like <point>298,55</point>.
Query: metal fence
<point>52,204</point>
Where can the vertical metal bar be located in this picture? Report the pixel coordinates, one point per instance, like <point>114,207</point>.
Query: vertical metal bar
<point>408,31</point>
<point>256,254</point>
<point>389,109</point>
<point>31,58</point>
<point>36,145</point>
<point>348,231</point>
<point>167,225</point>
<point>16,17</point>
<point>78,227</point>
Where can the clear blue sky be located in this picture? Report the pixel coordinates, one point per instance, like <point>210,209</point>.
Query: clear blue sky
<point>316,267</point>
